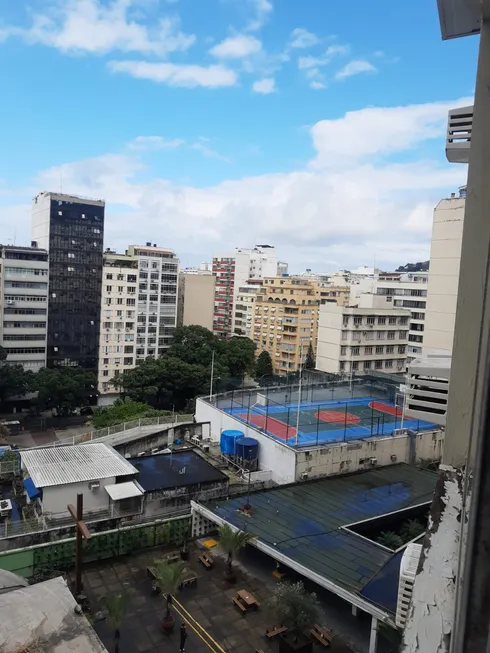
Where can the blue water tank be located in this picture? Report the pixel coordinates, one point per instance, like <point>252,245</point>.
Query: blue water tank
<point>247,448</point>
<point>227,441</point>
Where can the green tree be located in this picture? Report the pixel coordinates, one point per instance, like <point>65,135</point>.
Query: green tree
<point>310,361</point>
<point>124,410</point>
<point>64,388</point>
<point>116,605</point>
<point>3,354</point>
<point>195,345</point>
<point>15,381</point>
<point>164,383</point>
<point>411,529</point>
<point>263,366</point>
<point>295,608</point>
<point>390,539</point>
<point>231,541</point>
<point>169,576</point>
<point>239,355</point>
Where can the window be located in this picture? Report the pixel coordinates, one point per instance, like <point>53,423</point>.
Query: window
<point>120,277</point>
<point>119,301</point>
<point>105,373</point>
<point>379,349</point>
<point>388,364</point>
<point>368,351</point>
<point>390,349</point>
<point>378,365</point>
<point>70,269</point>
<point>354,366</point>
<point>106,361</point>
<point>370,320</point>
<point>402,335</point>
<point>357,320</point>
<point>354,351</point>
<point>403,320</point>
<point>381,335</point>
<point>367,365</point>
<point>381,320</point>
<point>391,335</point>
<point>341,366</point>
<point>108,276</point>
<point>128,361</point>
<point>369,335</point>
<point>108,288</point>
<point>96,230</point>
<point>120,289</point>
<point>392,320</point>
<point>401,349</point>
<point>71,255</point>
<point>344,335</point>
<point>119,313</point>
<point>107,301</point>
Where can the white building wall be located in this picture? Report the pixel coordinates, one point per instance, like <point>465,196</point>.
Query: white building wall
<point>442,291</point>
<point>273,455</point>
<point>56,499</point>
<point>329,338</point>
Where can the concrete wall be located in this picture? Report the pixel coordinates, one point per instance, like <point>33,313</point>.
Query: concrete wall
<point>196,299</point>
<point>442,290</point>
<point>272,454</point>
<point>329,338</point>
<point>56,499</point>
<point>346,457</point>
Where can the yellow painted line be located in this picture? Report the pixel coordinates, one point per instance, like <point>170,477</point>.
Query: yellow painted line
<point>191,618</point>
<point>195,629</point>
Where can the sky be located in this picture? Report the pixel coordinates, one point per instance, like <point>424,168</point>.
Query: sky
<point>316,126</point>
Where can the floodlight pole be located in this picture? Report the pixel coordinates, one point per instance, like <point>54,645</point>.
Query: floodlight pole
<point>212,377</point>
<point>299,391</point>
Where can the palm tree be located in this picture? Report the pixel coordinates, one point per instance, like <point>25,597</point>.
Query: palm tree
<point>115,605</point>
<point>295,607</point>
<point>232,541</point>
<point>169,576</point>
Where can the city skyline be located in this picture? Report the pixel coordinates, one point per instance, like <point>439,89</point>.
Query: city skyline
<point>271,123</point>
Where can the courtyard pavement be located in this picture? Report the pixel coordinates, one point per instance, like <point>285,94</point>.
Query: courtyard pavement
<point>213,622</point>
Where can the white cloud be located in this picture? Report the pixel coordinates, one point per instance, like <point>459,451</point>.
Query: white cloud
<point>154,143</point>
<point>186,75</point>
<point>311,66</point>
<point>316,85</point>
<point>348,206</point>
<point>207,151</point>
<point>302,38</point>
<point>355,67</point>
<point>265,86</point>
<point>262,9</point>
<point>89,26</point>
<point>236,47</point>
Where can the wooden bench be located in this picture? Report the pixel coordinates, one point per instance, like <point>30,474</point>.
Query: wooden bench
<point>239,604</point>
<point>204,560</point>
<point>322,635</point>
<point>172,557</point>
<point>188,582</point>
<point>270,633</point>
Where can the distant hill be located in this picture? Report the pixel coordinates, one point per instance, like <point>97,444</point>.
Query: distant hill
<point>421,266</point>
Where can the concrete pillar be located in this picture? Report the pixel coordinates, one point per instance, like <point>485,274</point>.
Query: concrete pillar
<point>373,638</point>
<point>354,610</point>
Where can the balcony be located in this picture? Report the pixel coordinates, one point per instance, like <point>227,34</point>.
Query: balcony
<point>458,140</point>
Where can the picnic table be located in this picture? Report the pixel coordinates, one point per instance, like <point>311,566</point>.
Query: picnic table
<point>322,635</point>
<point>248,598</point>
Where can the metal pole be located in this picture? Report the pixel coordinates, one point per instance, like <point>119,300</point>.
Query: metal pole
<point>299,391</point>
<point>345,421</point>
<point>404,406</point>
<point>248,409</point>
<point>317,422</point>
<point>287,426</point>
<point>212,377</point>
<point>79,547</point>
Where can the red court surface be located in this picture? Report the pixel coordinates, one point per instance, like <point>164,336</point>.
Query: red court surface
<point>337,417</point>
<point>386,408</point>
<point>274,426</point>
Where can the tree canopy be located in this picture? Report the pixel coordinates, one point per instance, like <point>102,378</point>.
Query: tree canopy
<point>14,380</point>
<point>123,411</point>
<point>310,361</point>
<point>263,365</point>
<point>64,388</point>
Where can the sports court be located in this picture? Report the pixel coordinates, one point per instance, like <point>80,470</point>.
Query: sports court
<point>327,421</point>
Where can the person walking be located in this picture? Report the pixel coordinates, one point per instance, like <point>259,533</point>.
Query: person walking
<point>183,637</point>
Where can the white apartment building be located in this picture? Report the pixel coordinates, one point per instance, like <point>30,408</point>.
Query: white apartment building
<point>117,344</point>
<point>408,290</point>
<point>232,272</point>
<point>245,308</point>
<point>156,306</point>
<point>370,336</point>
<point>24,274</point>
<point>442,290</point>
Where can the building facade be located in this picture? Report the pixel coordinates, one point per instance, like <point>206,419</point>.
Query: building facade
<point>358,339</point>
<point>331,294</point>
<point>408,291</point>
<point>232,272</point>
<point>286,321</point>
<point>442,289</point>
<point>156,305</point>
<point>117,348</point>
<point>24,274</point>
<point>72,230</point>
<point>196,298</point>
<point>245,308</point>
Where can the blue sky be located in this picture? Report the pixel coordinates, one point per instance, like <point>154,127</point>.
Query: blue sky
<point>314,125</point>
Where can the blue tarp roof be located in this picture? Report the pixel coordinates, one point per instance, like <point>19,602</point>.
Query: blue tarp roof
<point>31,489</point>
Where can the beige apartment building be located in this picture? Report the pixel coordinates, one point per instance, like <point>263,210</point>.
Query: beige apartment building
<point>442,289</point>
<point>118,321</point>
<point>196,298</point>
<point>339,295</point>
<point>370,336</point>
<point>285,320</point>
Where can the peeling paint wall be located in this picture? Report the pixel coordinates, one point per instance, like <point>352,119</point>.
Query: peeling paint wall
<point>431,613</point>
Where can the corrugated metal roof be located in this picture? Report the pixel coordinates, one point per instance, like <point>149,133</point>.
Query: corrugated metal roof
<point>120,491</point>
<point>74,464</point>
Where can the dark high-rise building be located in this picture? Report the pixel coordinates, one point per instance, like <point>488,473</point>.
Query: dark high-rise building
<point>72,230</point>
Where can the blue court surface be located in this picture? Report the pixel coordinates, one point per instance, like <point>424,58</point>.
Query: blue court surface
<point>323,422</point>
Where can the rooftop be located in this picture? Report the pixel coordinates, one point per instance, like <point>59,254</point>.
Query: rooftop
<point>74,464</point>
<point>167,471</point>
<point>41,617</point>
<point>306,522</point>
